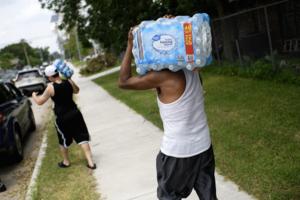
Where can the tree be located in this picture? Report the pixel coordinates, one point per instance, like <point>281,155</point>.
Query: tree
<point>55,55</point>
<point>107,21</point>
<point>19,51</point>
<point>44,54</point>
<point>5,60</point>
<point>70,45</point>
<point>110,20</point>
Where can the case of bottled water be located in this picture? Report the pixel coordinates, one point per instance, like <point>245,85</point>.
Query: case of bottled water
<point>174,44</point>
<point>63,68</point>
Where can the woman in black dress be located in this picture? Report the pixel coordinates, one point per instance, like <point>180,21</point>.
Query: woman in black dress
<point>69,122</point>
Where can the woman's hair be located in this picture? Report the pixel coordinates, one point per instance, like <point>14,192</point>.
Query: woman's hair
<point>55,75</point>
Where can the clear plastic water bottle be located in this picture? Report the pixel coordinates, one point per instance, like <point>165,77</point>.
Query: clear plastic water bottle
<point>63,68</point>
<point>179,43</point>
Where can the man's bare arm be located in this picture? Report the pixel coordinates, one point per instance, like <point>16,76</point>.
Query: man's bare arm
<point>127,81</point>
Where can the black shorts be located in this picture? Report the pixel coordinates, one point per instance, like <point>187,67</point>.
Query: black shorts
<point>71,126</point>
<point>177,177</point>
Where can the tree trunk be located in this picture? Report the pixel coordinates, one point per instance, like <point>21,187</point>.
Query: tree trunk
<point>229,31</point>
<point>228,28</point>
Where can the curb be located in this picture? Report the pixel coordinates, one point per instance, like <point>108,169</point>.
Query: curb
<point>42,152</point>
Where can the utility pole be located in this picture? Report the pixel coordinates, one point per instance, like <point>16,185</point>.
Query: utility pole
<point>25,52</point>
<point>95,46</point>
<point>77,43</point>
<point>41,55</point>
<point>55,19</point>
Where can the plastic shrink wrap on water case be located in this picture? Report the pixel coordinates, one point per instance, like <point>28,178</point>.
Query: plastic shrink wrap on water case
<point>63,68</point>
<point>177,43</point>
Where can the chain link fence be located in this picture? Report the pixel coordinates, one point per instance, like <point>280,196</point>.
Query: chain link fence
<point>268,30</point>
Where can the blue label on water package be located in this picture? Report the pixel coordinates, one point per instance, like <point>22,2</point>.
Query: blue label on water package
<point>163,43</point>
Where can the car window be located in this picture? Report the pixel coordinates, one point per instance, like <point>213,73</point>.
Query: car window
<point>14,90</point>
<point>7,75</point>
<point>5,95</point>
<point>32,74</point>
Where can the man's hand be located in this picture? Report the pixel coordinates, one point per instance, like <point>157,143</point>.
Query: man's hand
<point>126,81</point>
<point>168,16</point>
<point>130,37</point>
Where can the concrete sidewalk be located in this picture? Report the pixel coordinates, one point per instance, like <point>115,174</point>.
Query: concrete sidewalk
<point>125,146</point>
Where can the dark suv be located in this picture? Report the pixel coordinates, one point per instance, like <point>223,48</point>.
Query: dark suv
<point>16,119</point>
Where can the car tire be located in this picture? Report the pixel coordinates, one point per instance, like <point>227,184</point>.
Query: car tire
<point>32,126</point>
<point>17,152</point>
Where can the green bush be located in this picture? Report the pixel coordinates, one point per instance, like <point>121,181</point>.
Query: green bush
<point>261,69</point>
<point>98,64</point>
<point>110,59</point>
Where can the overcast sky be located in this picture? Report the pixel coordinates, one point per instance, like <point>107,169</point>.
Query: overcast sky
<point>26,19</point>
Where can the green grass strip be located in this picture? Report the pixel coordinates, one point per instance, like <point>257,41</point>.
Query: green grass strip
<point>75,182</point>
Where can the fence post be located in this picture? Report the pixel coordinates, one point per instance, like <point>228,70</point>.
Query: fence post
<point>215,42</point>
<point>238,51</point>
<point>269,37</point>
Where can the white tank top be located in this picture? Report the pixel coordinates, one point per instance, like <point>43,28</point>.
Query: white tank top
<point>186,131</point>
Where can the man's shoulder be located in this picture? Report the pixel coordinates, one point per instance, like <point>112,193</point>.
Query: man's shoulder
<point>164,77</point>
<point>170,77</point>
<point>168,73</point>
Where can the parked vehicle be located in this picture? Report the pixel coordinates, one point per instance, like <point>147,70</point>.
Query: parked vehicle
<point>27,67</point>
<point>16,120</point>
<point>29,81</point>
<point>7,75</point>
<point>45,64</point>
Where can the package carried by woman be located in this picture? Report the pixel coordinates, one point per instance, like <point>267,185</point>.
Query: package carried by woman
<point>63,68</point>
